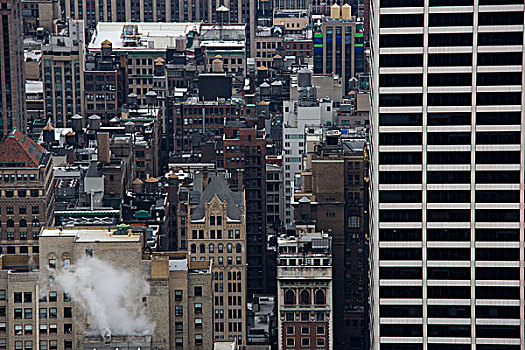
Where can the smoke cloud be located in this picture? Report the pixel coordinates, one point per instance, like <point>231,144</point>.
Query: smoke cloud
<point>111,296</point>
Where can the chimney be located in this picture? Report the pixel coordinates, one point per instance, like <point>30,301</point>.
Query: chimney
<point>103,147</point>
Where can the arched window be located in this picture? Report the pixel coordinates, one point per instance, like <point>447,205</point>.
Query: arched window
<point>10,223</point>
<point>289,297</point>
<point>221,276</point>
<point>202,248</point>
<point>239,275</point>
<point>212,248</point>
<point>193,248</point>
<point>320,298</point>
<point>229,275</point>
<point>229,247</point>
<point>23,223</point>
<point>238,248</point>
<point>305,297</point>
<point>36,223</point>
<point>216,275</point>
<point>220,248</point>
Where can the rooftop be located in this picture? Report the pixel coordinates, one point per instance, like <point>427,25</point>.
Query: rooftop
<point>161,35</point>
<point>92,234</point>
<point>19,151</point>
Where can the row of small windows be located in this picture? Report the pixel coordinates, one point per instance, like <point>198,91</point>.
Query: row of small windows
<point>449,292</point>
<point>453,39</point>
<point>450,19</point>
<point>490,157</point>
<point>449,215</point>
<point>481,235</point>
<point>450,99</point>
<point>450,138</point>
<point>457,59</point>
<point>447,196</point>
<point>420,3</point>
<point>304,297</point>
<point>450,311</point>
<point>449,79</point>
<point>453,118</point>
<point>220,248</point>
<point>450,273</point>
<point>450,254</point>
<point>439,346</point>
<point>434,330</point>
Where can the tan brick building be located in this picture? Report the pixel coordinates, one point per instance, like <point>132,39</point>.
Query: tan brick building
<point>216,232</point>
<point>26,193</point>
<point>35,313</point>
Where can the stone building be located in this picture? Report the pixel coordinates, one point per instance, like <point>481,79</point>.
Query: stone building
<point>35,311</point>
<point>304,291</point>
<point>26,193</point>
<point>217,232</point>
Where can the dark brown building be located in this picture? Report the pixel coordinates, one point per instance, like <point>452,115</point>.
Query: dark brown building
<point>334,196</point>
<point>12,81</point>
<point>105,82</point>
<point>26,193</point>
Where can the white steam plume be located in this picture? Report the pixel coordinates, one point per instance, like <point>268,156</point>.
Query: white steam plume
<point>112,297</point>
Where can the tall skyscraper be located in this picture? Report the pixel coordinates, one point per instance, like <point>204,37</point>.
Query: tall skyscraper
<point>447,174</point>
<point>12,82</point>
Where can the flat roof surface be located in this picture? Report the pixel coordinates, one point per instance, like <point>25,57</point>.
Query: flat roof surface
<point>90,234</point>
<point>161,34</point>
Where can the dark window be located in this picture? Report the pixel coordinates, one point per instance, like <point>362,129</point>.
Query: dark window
<point>497,347</point>
<point>406,138</point>
<point>449,79</point>
<point>448,157</point>
<point>446,292</point>
<point>392,80</point>
<point>409,273</point>
<point>448,215</point>
<point>497,215</point>
<point>497,196</point>
<point>444,196</point>
<point>448,311</point>
<point>435,330</point>
<point>451,2</point>
<point>448,273</point>
<point>446,177</point>
<point>406,330</point>
<point>456,39</point>
<point>400,196</point>
<point>449,99</point>
<point>499,18</point>
<point>400,119</point>
<point>400,177</point>
<point>499,59</point>
<point>497,312</point>
<point>448,138</point>
<point>497,292</point>
<point>495,235</point>
<point>498,118</point>
<point>509,157</point>
<point>497,273</point>
<point>497,176</point>
<point>401,40</point>
<point>505,38</point>
<point>401,292</point>
<point>448,119</point>
<point>411,215</point>
<point>498,98</point>
<point>453,234</point>
<point>448,253</point>
<point>403,20</point>
<point>498,137</point>
<point>500,78</point>
<point>400,346</point>
<point>412,60</point>
<point>401,3</point>
<point>400,100</point>
<point>438,346</point>
<point>400,311</point>
<point>400,254</point>
<point>402,234</point>
<point>400,158</point>
<point>456,59</point>
<point>497,331</point>
<point>450,19</point>
<point>497,254</point>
